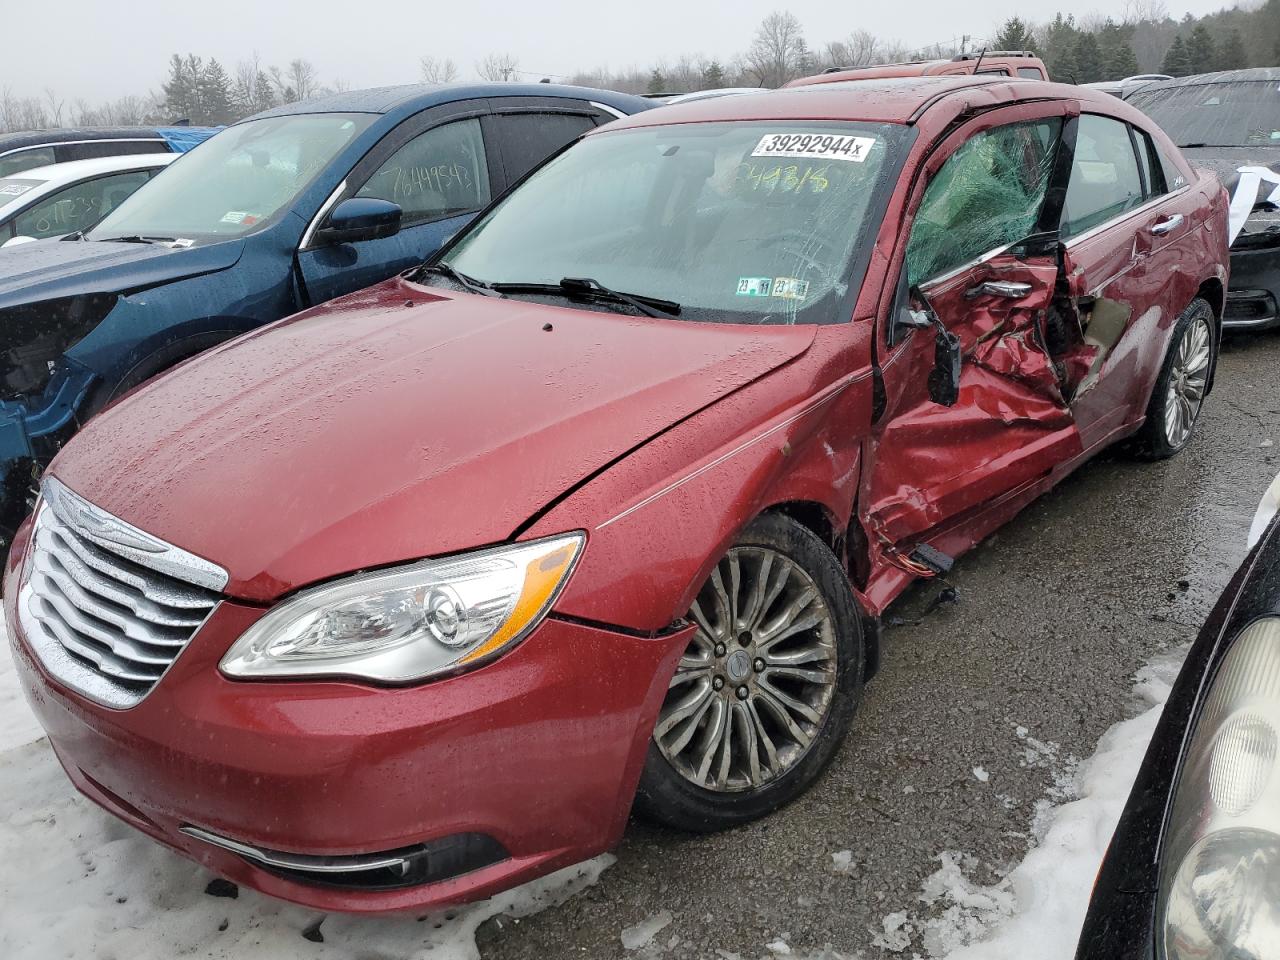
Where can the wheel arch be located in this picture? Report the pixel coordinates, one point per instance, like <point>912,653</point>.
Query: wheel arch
<point>850,549</point>
<point>154,357</point>
<point>1214,292</point>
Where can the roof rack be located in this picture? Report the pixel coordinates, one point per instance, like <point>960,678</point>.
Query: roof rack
<point>877,66</point>
<point>993,53</point>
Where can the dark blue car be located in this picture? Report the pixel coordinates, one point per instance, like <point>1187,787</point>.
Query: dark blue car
<point>276,213</point>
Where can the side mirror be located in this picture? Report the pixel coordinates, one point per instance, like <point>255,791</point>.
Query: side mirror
<point>360,218</point>
<point>17,241</point>
<point>944,378</point>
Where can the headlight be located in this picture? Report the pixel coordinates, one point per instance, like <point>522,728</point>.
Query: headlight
<point>1220,874</point>
<point>409,622</point>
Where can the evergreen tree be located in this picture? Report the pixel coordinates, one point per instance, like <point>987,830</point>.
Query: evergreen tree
<point>1015,34</point>
<point>1177,63</point>
<point>713,76</point>
<point>657,82</point>
<point>182,89</point>
<point>804,59</point>
<point>1058,48</point>
<point>264,93</point>
<point>1200,50</point>
<point>1231,55</point>
<point>1088,59</point>
<point>215,95</point>
<point>1118,58</point>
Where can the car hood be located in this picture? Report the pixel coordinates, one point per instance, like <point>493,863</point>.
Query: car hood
<point>51,269</point>
<point>397,423</point>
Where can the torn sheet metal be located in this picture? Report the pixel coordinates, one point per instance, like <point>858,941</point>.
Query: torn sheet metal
<point>1010,425</point>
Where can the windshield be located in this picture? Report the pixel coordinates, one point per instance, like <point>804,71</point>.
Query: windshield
<point>740,223</point>
<point>235,181</point>
<point>11,188</point>
<point>1243,113</point>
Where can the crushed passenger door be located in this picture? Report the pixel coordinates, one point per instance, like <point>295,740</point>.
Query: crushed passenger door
<point>969,260</point>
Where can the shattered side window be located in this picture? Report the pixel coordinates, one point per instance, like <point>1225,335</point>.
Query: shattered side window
<point>986,196</point>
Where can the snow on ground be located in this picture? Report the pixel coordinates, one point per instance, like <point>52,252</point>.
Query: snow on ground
<point>76,883</point>
<point>1037,909</point>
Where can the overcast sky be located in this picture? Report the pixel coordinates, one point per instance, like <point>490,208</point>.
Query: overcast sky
<point>97,51</point>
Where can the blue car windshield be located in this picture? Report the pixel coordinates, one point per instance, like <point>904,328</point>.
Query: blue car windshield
<point>236,181</point>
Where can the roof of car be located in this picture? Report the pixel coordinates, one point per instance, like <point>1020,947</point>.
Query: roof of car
<point>60,173</point>
<point>422,95</point>
<point>1253,74</point>
<point>35,138</point>
<point>879,100</point>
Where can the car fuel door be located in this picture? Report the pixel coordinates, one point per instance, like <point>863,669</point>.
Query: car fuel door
<point>988,275</point>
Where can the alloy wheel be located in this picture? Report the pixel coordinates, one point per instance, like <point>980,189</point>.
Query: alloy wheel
<point>756,682</point>
<point>1187,381</point>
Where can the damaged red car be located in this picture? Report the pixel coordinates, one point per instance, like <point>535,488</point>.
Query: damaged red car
<point>410,597</point>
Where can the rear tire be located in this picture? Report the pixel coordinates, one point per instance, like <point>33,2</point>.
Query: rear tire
<point>1184,376</point>
<point>779,632</point>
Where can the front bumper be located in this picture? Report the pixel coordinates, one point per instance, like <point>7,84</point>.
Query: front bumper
<point>1253,301</point>
<point>537,754</point>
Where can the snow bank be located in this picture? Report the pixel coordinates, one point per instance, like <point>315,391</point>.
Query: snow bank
<point>1038,908</point>
<point>77,884</point>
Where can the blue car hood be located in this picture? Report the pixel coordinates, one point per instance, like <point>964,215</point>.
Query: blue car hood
<point>49,269</point>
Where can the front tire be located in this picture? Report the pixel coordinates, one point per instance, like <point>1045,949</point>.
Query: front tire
<point>1179,392</point>
<point>766,690</point>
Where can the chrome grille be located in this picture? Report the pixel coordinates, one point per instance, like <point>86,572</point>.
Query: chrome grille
<point>97,611</point>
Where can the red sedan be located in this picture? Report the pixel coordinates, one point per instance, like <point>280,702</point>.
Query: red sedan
<point>410,597</point>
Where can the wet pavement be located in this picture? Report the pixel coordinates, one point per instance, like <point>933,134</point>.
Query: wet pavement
<point>1056,613</point>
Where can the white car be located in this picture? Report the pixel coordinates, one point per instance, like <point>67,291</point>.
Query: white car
<point>62,198</point>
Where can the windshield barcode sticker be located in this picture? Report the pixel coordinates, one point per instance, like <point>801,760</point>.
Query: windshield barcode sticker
<point>826,146</point>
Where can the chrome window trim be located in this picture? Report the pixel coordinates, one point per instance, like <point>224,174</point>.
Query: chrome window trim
<point>309,234</point>
<point>607,109</point>
<point>74,143</point>
<point>956,271</point>
<point>128,541</point>
<point>1120,217</point>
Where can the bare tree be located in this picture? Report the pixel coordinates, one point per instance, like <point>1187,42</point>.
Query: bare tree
<point>858,49</point>
<point>1151,11</point>
<point>438,71</point>
<point>686,74</point>
<point>498,66</point>
<point>777,50</point>
<point>55,106</point>
<point>129,110</point>
<point>301,78</point>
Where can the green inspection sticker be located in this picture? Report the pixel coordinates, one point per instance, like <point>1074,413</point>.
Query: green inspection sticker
<point>754,286</point>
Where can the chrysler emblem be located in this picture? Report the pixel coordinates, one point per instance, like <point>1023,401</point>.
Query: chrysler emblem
<point>99,527</point>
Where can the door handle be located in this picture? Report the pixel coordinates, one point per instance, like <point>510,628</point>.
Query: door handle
<point>1010,289</point>
<point>1167,226</point>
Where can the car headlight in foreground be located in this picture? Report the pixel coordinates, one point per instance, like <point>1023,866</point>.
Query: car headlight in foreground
<point>410,622</point>
<point>1221,876</point>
